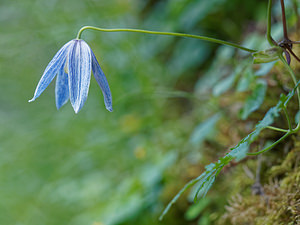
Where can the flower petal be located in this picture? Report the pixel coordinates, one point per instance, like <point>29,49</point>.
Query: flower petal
<point>79,69</point>
<point>102,81</point>
<point>61,87</point>
<point>51,70</point>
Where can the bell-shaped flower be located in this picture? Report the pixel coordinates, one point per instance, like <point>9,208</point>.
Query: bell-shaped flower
<point>73,64</point>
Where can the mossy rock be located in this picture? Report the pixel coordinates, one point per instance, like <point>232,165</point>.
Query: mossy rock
<point>278,204</point>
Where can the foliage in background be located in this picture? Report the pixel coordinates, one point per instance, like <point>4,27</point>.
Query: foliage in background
<point>169,94</point>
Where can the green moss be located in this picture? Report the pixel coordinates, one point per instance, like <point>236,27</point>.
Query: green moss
<point>280,202</point>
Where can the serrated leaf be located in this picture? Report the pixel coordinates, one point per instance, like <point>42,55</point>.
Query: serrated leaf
<point>240,151</point>
<point>266,121</point>
<point>205,186</point>
<point>255,100</point>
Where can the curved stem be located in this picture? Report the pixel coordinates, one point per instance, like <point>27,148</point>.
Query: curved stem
<point>269,24</point>
<point>295,42</point>
<point>292,75</point>
<point>287,118</point>
<point>272,145</point>
<point>293,54</point>
<point>277,129</point>
<point>285,34</point>
<point>166,33</point>
<point>296,128</point>
<point>291,131</point>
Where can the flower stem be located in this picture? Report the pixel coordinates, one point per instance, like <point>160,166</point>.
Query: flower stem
<point>277,129</point>
<point>285,34</point>
<point>269,24</point>
<point>287,66</point>
<point>290,131</point>
<point>272,145</point>
<point>295,42</point>
<point>287,118</point>
<point>214,40</point>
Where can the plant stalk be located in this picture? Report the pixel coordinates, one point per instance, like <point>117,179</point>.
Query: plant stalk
<point>209,39</point>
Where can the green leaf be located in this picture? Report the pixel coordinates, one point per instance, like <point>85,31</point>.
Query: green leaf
<point>245,81</point>
<point>216,71</point>
<point>203,130</point>
<point>194,210</point>
<point>187,186</point>
<point>188,54</point>
<point>205,186</point>
<point>239,151</point>
<point>225,84</point>
<point>207,178</point>
<point>253,41</point>
<point>196,11</point>
<point>255,100</point>
<point>205,219</point>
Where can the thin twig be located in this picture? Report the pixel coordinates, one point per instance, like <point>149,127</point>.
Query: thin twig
<point>287,118</point>
<point>269,24</point>
<point>277,129</point>
<point>293,54</point>
<point>285,34</point>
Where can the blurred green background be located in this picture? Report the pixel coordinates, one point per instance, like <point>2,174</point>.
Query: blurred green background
<point>102,168</point>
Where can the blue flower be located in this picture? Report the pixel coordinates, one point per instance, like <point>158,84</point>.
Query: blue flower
<point>73,64</point>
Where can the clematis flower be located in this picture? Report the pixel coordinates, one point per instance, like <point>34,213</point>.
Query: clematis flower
<point>73,64</point>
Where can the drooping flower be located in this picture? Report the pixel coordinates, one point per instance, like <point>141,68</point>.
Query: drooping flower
<point>73,64</point>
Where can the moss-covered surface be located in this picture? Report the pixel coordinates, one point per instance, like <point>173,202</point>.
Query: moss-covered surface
<point>265,190</point>
<point>278,202</point>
